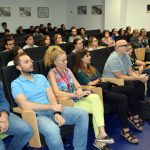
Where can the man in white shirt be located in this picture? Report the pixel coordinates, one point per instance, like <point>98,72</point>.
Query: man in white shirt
<point>29,42</point>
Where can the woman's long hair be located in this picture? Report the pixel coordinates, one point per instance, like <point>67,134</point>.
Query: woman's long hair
<point>79,64</point>
<point>51,55</point>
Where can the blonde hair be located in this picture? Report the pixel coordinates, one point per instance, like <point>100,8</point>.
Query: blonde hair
<point>51,55</point>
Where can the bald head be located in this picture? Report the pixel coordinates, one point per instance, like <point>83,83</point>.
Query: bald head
<point>121,46</point>
<point>120,43</point>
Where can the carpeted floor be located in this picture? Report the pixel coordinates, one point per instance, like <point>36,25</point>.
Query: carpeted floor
<point>113,129</point>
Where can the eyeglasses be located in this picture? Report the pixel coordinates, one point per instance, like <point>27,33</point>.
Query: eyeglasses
<point>126,45</point>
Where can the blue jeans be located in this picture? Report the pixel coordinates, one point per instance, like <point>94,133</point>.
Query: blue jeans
<point>51,131</point>
<point>22,133</point>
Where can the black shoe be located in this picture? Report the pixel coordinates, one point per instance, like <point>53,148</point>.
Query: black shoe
<point>66,142</point>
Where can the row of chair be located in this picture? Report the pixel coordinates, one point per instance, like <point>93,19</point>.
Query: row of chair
<point>9,73</point>
<point>37,53</point>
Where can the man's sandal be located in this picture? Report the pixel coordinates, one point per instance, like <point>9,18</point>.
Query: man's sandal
<point>129,137</point>
<point>136,123</point>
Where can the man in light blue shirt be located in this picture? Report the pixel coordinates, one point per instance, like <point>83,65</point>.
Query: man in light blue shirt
<point>33,92</point>
<point>118,65</point>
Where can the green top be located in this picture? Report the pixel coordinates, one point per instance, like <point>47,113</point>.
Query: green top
<point>84,79</point>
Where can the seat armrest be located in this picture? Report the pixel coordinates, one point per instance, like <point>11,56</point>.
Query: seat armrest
<point>97,90</point>
<point>66,101</point>
<point>147,62</point>
<point>119,82</point>
<point>30,117</point>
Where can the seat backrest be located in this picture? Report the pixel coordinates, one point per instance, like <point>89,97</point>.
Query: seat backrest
<point>99,58</point>
<point>43,69</point>
<point>2,46</point>
<point>140,53</point>
<point>110,50</point>
<point>36,53</point>
<point>70,47</point>
<point>71,61</point>
<point>63,46</point>
<point>5,57</point>
<point>10,73</point>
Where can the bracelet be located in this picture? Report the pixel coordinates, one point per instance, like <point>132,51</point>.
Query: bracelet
<point>57,112</point>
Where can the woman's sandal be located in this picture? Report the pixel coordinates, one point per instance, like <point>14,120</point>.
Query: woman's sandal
<point>129,137</point>
<point>101,146</point>
<point>136,123</point>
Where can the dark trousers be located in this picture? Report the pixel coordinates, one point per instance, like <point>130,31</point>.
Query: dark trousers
<point>136,95</point>
<point>127,98</point>
<point>121,101</point>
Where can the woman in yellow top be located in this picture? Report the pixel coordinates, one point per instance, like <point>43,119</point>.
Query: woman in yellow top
<point>65,84</point>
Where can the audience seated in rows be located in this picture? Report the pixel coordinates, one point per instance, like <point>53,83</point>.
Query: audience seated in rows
<point>62,26</point>
<point>7,32</point>
<point>93,43</point>
<point>83,34</point>
<point>9,43</point>
<point>64,84</point>
<point>86,74</point>
<point>12,125</point>
<point>78,45</point>
<point>29,42</point>
<point>141,70</point>
<point>74,35</point>
<point>41,28</point>
<point>134,39</point>
<point>49,26</point>
<point>107,40</point>
<point>118,65</point>
<point>16,50</point>
<point>128,30</point>
<point>37,31</point>
<point>55,29</point>
<point>31,29</point>
<point>121,31</point>
<point>20,31</point>
<point>114,34</point>
<point>33,92</point>
<point>4,26</point>
<point>143,33</point>
<point>58,39</point>
<point>45,41</point>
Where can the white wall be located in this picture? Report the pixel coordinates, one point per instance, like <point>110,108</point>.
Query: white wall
<point>116,13</point>
<point>121,13</point>
<point>137,17</point>
<point>112,14</point>
<point>88,21</point>
<point>57,13</point>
